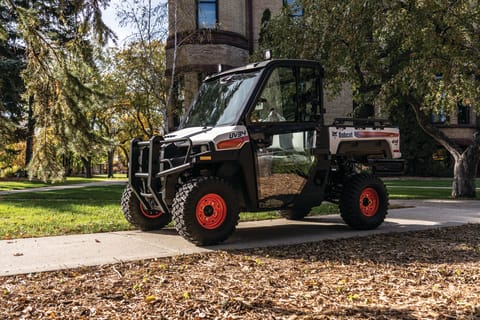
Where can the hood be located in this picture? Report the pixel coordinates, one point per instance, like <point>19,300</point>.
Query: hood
<point>204,135</point>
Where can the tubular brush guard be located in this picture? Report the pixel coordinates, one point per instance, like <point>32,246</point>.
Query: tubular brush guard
<point>148,169</point>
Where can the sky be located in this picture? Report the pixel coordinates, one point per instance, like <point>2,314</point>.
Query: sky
<point>111,20</point>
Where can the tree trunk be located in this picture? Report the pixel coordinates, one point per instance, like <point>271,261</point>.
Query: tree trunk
<point>30,132</point>
<point>466,161</point>
<point>169,123</point>
<point>110,155</point>
<point>465,171</point>
<point>67,164</point>
<point>87,164</point>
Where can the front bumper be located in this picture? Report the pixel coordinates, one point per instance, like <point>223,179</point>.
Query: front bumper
<point>150,164</point>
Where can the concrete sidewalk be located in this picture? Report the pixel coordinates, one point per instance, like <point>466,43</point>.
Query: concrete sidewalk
<point>54,253</point>
<point>65,187</point>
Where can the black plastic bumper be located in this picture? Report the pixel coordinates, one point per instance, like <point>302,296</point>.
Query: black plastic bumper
<point>388,167</point>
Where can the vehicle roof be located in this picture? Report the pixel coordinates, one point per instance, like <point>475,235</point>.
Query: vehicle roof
<point>263,64</point>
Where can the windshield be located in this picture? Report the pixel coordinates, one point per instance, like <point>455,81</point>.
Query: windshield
<point>221,100</point>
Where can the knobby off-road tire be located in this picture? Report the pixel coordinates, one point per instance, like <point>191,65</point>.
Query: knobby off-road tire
<point>205,211</point>
<point>139,216</point>
<point>295,213</point>
<point>364,202</point>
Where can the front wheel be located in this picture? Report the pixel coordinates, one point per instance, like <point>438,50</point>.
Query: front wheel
<point>139,216</point>
<point>205,211</point>
<point>364,202</point>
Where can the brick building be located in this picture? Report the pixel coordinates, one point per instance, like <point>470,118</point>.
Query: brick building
<point>459,127</point>
<point>223,32</point>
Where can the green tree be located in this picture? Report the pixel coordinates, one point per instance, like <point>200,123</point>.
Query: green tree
<point>423,155</point>
<point>134,79</point>
<point>264,36</point>
<point>136,105</point>
<point>150,24</point>
<point>60,40</point>
<point>11,87</point>
<point>425,54</point>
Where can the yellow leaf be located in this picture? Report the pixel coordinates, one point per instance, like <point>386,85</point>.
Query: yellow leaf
<point>150,298</point>
<point>353,297</point>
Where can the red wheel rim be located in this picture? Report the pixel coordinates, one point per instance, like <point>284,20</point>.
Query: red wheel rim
<point>369,202</point>
<point>211,211</point>
<point>150,214</point>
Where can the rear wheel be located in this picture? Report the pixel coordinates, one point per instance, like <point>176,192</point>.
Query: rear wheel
<point>364,202</point>
<point>205,211</point>
<point>141,217</point>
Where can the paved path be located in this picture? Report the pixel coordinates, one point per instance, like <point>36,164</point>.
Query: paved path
<point>54,253</point>
<point>67,186</point>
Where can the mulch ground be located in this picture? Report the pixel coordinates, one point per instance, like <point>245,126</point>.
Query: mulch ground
<point>431,274</point>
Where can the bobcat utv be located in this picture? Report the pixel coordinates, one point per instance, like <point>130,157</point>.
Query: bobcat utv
<point>255,140</point>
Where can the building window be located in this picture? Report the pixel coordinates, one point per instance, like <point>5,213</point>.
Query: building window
<point>207,17</point>
<point>463,116</point>
<point>439,117</point>
<point>295,7</point>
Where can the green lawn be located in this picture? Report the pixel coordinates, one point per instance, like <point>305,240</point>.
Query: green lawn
<point>91,209</point>
<point>97,209</point>
<point>427,182</point>
<point>433,188</point>
<point>417,193</point>
<point>85,210</point>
